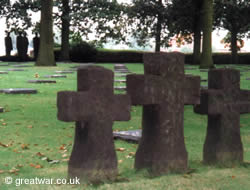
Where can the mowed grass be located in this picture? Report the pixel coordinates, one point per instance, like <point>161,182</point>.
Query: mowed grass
<point>31,135</point>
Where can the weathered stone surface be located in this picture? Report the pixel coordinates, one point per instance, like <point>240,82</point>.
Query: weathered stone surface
<point>162,91</point>
<point>55,76</point>
<point>18,91</point>
<point>41,81</point>
<point>130,136</point>
<point>223,102</point>
<point>3,72</point>
<point>94,108</point>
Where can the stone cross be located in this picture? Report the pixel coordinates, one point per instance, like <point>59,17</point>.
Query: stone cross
<point>94,108</point>
<point>163,91</point>
<point>223,102</point>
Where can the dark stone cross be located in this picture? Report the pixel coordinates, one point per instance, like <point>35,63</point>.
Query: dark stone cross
<point>163,91</point>
<point>223,102</point>
<point>94,108</point>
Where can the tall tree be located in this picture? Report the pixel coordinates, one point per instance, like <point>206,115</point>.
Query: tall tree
<point>148,19</point>
<point>185,22</point>
<point>46,51</point>
<point>207,28</point>
<point>65,17</point>
<point>233,16</point>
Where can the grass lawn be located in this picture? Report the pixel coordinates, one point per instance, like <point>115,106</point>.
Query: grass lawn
<point>33,143</point>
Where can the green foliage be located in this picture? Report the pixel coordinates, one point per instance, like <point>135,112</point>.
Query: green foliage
<point>149,19</point>
<point>234,16</point>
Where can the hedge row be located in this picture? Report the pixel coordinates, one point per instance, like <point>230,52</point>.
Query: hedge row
<point>223,58</point>
<point>132,57</point>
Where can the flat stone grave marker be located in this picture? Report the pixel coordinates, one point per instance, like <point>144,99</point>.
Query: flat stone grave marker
<point>120,67</point>
<point>18,66</point>
<point>82,65</point>
<point>203,80</point>
<point>18,91</point>
<point>223,102</point>
<point>16,70</point>
<point>4,65</point>
<point>94,107</point>
<point>3,72</point>
<point>122,88</point>
<point>64,72</point>
<point>204,86</point>
<point>131,135</point>
<point>1,109</point>
<point>190,68</point>
<point>41,81</point>
<point>120,75</point>
<point>122,71</point>
<point>55,76</point>
<point>204,70</point>
<point>121,80</point>
<point>163,91</point>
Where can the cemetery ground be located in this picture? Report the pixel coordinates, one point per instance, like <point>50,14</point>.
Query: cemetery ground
<point>34,143</point>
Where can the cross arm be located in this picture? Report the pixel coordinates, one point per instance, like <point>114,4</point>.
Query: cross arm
<point>72,106</point>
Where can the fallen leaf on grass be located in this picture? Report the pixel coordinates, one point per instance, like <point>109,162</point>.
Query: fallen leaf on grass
<point>16,151</point>
<point>3,145</point>
<point>120,161</point>
<point>131,154</point>
<point>63,147</point>
<point>14,171</point>
<point>120,149</point>
<point>37,166</point>
<point>4,124</point>
<point>2,171</point>
<point>39,154</point>
<point>30,127</point>
<point>25,146</point>
<point>233,177</point>
<point>65,160</point>
<point>64,155</point>
<point>36,75</point>
<point>19,165</point>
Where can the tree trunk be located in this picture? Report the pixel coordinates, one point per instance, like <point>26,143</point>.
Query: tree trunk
<point>64,55</point>
<point>46,49</point>
<point>207,24</point>
<point>234,53</point>
<point>197,42</point>
<point>197,32</point>
<point>158,30</point>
